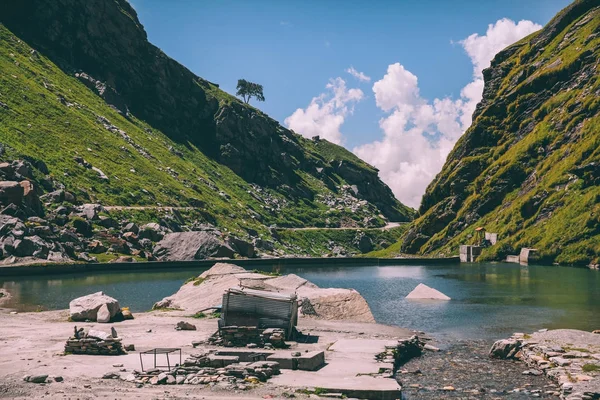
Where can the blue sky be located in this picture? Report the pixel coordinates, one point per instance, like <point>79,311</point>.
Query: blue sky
<point>293,48</point>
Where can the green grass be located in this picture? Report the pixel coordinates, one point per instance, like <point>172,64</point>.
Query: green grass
<point>196,279</point>
<point>590,368</point>
<point>54,117</point>
<point>319,242</point>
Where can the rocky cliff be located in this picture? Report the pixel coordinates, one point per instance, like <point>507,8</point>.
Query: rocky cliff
<point>104,44</point>
<point>528,168</point>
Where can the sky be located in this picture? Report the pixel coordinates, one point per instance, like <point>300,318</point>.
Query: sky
<point>395,82</point>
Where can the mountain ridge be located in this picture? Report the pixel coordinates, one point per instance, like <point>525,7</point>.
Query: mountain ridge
<point>528,166</point>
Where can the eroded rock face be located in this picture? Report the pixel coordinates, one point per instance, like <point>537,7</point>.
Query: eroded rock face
<point>87,307</point>
<point>187,246</point>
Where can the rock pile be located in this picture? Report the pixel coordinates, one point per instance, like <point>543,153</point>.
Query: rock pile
<point>251,336</point>
<point>570,358</point>
<point>94,343</point>
<point>199,369</point>
<point>404,351</point>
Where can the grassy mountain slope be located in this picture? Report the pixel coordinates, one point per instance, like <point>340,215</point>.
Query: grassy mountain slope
<point>529,165</point>
<point>92,92</point>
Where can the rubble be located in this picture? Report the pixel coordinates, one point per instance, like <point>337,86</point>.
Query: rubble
<point>207,368</point>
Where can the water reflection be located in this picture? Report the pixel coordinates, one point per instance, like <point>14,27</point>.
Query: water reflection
<point>488,300</point>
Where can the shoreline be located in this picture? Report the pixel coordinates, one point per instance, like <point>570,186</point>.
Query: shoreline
<point>50,268</point>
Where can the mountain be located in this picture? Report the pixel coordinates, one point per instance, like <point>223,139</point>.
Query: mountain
<point>528,168</point>
<point>111,119</point>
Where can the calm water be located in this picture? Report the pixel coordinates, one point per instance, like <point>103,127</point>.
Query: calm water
<point>488,300</point>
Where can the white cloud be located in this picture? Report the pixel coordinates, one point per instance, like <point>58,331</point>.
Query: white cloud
<point>358,75</point>
<point>418,135</point>
<point>326,113</point>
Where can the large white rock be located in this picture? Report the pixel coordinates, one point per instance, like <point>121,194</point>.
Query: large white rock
<point>103,314</point>
<point>424,292</point>
<point>87,307</point>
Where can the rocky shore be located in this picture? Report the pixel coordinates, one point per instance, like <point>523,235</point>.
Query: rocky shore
<point>570,358</point>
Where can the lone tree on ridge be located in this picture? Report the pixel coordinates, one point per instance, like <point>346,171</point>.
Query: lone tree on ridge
<point>247,90</point>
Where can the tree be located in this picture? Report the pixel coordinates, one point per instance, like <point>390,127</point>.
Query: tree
<point>247,90</point>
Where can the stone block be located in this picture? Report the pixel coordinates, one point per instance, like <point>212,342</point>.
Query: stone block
<point>311,361</point>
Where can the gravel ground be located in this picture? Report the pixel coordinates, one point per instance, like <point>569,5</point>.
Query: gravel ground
<point>466,367</point>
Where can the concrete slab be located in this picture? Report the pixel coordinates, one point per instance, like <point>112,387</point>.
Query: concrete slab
<point>348,369</point>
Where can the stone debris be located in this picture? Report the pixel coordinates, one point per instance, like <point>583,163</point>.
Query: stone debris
<point>93,342</point>
<point>404,351</point>
<point>245,336</point>
<point>207,368</point>
<point>424,292</point>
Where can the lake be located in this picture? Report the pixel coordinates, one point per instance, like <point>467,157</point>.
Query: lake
<point>489,300</point>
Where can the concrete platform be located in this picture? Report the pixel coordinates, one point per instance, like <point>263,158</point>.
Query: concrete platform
<point>348,369</point>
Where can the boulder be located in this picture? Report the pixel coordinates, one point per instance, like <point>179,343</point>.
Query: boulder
<point>424,292</point>
<point>242,247</point>
<point>103,314</point>
<point>96,247</point>
<point>58,196</point>
<point>90,211</point>
<point>131,227</point>
<point>182,246</point>
<point>10,192</point>
<point>37,379</point>
<point>86,307</point>
<point>151,231</point>
<point>30,198</point>
<point>505,349</point>
<point>364,243</point>
<point>82,227</point>
<point>23,247</point>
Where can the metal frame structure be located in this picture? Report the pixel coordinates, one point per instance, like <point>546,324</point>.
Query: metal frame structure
<point>161,350</point>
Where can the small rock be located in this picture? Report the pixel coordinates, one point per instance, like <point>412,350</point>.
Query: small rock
<point>430,348</point>
<point>129,347</point>
<point>185,326</point>
<point>117,365</point>
<point>448,388</point>
<point>170,380</point>
<point>179,379</point>
<point>58,379</point>
<point>162,377</point>
<point>38,379</point>
<point>534,372</point>
<point>111,375</point>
